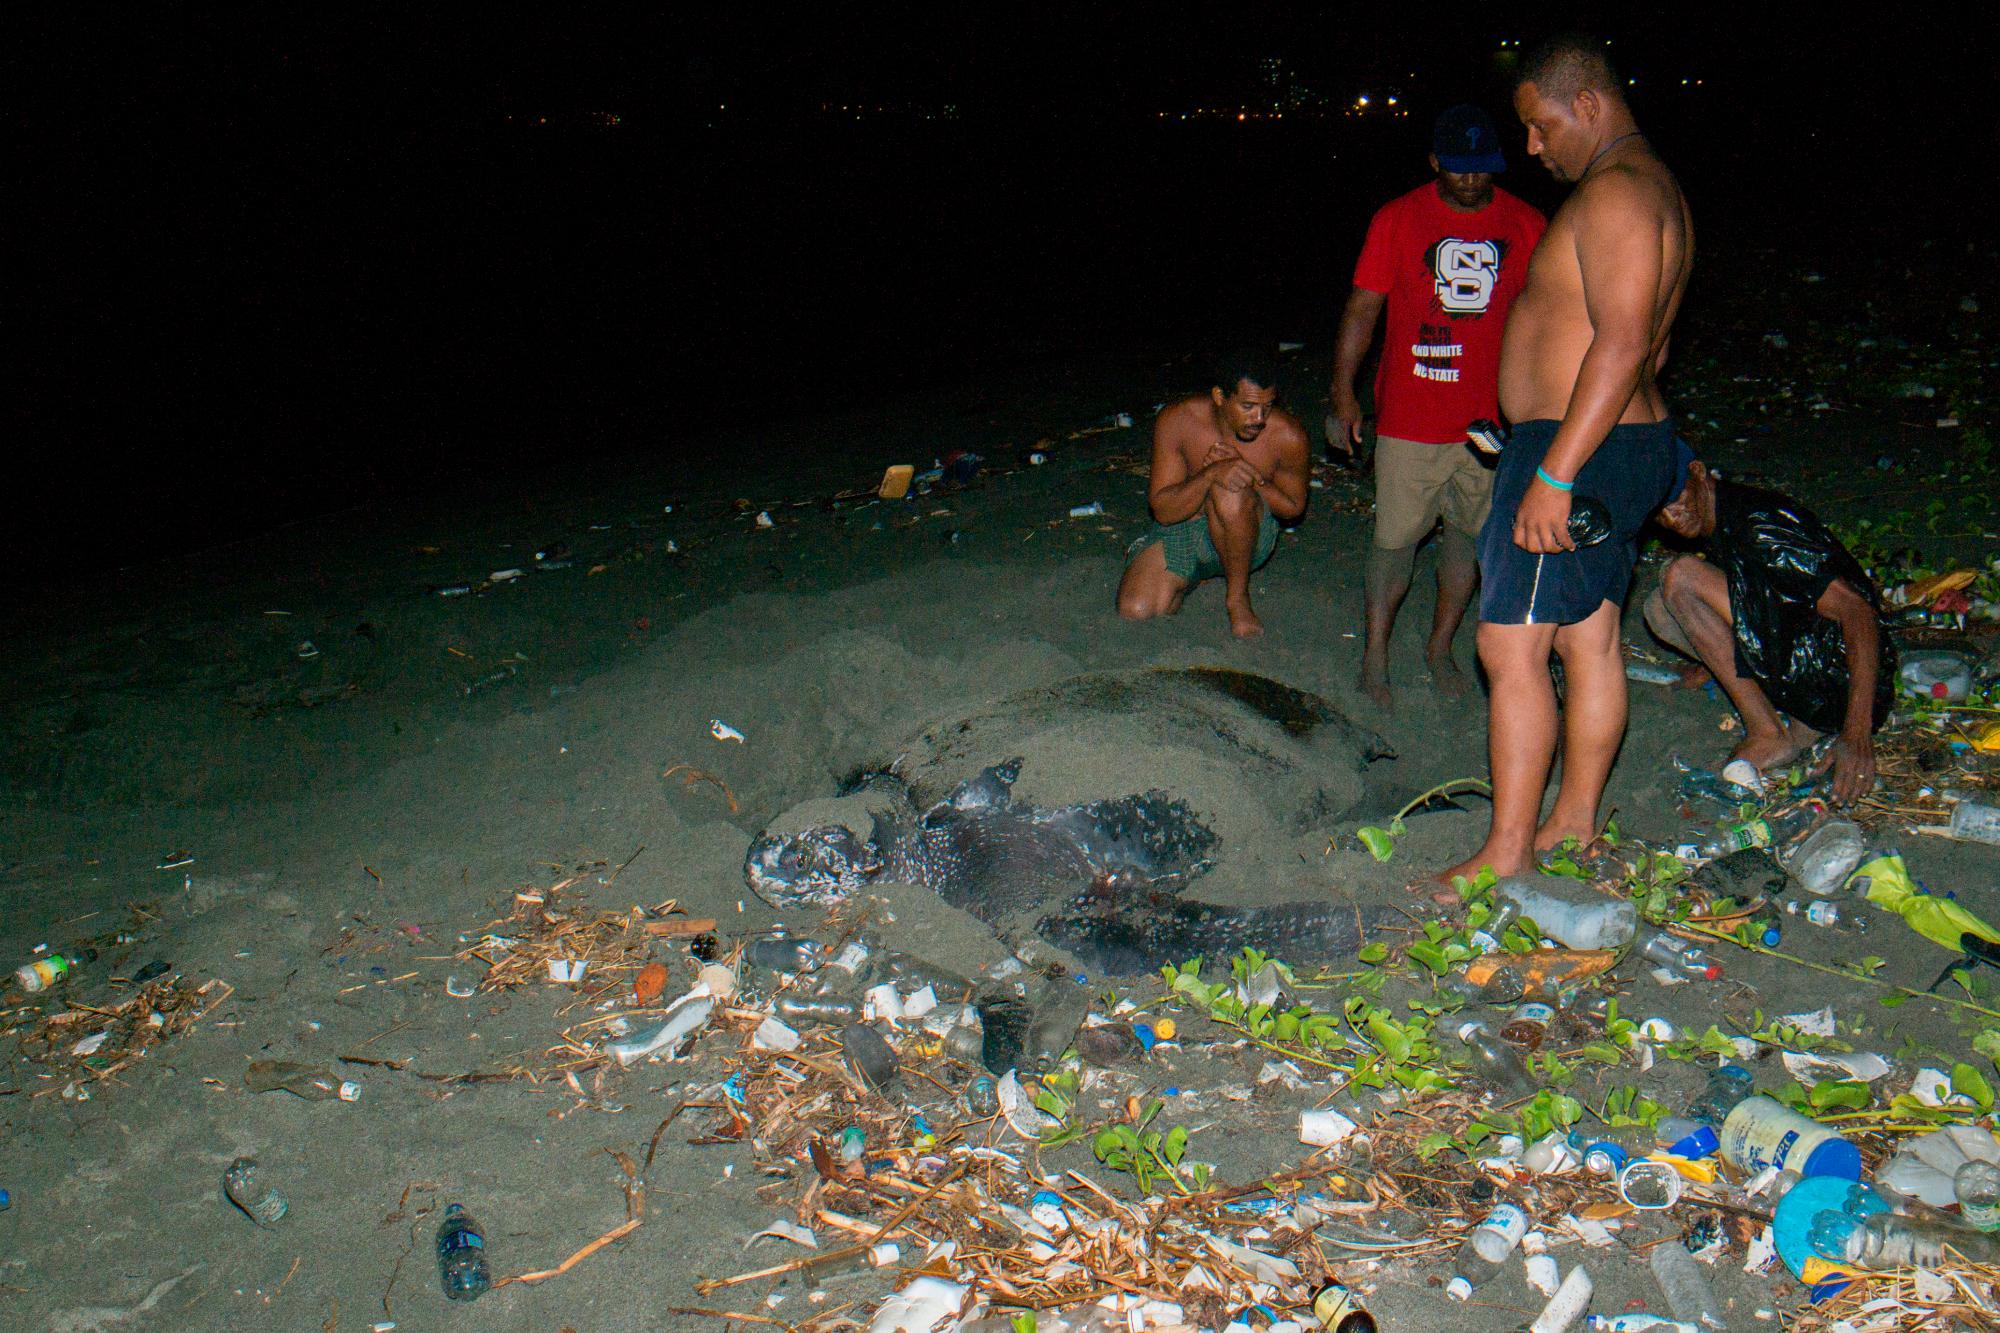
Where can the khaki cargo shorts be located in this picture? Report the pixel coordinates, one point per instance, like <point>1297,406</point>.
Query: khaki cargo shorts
<point>1416,484</point>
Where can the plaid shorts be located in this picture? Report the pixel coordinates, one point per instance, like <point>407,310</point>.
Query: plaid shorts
<point>1191,553</point>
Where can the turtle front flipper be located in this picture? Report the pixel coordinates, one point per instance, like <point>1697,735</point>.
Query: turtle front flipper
<point>1143,933</point>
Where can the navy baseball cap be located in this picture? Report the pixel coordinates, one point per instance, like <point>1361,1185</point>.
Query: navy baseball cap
<point>1465,140</point>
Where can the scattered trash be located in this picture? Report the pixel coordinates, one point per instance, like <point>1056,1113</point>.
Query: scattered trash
<point>1091,510</point>
<point>722,731</point>
<point>314,1083</point>
<point>896,482</point>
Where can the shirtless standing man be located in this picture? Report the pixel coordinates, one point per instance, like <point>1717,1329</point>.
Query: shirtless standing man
<point>1583,344</point>
<point>1227,466</point>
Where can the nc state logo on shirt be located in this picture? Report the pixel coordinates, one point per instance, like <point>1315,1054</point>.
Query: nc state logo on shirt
<point>1466,274</point>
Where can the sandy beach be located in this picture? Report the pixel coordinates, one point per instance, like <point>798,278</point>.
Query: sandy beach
<point>299,765</point>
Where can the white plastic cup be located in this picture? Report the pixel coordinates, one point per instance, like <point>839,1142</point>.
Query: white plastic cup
<point>1323,1129</point>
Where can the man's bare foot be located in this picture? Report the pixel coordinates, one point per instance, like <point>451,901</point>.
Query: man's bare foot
<point>1243,622</point>
<point>1438,887</point>
<point>1374,681</point>
<point>1446,678</point>
<point>1555,832</point>
<point>1769,749</point>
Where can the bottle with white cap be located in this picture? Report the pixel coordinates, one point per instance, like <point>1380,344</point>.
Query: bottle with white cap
<point>1486,1249</point>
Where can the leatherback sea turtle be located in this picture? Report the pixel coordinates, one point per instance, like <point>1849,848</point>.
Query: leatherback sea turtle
<point>1002,813</point>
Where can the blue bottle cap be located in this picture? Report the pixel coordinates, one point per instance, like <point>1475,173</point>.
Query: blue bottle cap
<point>1144,1032</point>
<point>1835,1157</point>
<point>1772,935</point>
<point>1701,1143</point>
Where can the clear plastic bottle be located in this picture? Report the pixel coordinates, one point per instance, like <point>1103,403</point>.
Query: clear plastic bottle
<point>1059,1009</point>
<point>780,952</point>
<point>265,1204</point>
<point>1976,821</point>
<point>1684,1285</point>
<point>1528,1025</point>
<point>1744,834</point>
<point>816,1010</point>
<point>1496,1061</point>
<point>1727,1085</point>
<point>1976,1185</point>
<point>1683,959</point>
<point>1571,912</point>
<point>1504,986</point>
<point>1823,861</point>
<point>315,1083</point>
<point>461,1255</point>
<point>1486,1249</point>
<point>1827,915</point>
<point>1493,929</point>
<point>1891,1240</point>
<point>53,970</point>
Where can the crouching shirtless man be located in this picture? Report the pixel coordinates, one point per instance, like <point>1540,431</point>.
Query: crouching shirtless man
<point>1228,465</point>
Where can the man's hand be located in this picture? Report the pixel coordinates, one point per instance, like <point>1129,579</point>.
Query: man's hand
<point>1343,422</point>
<point>1229,469</point>
<point>1541,524</point>
<point>1852,759</point>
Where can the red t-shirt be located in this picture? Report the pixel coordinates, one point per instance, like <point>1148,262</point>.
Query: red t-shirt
<point>1450,278</point>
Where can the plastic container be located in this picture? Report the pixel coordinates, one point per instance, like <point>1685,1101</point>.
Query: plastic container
<point>263,1203</point>
<point>1486,1249</point>
<point>816,1010</point>
<point>1491,931</point>
<point>1727,1086</point>
<point>1976,1186</point>
<point>1975,821</point>
<point>1684,1285</point>
<point>315,1083</point>
<point>1761,1132</point>
<point>982,1097</point>
<point>1528,1025</point>
<point>1825,860</point>
<point>1570,912</point>
<point>461,1254</point>
<point>1945,677</point>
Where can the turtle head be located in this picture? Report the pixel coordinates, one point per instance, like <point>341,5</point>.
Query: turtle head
<point>814,866</point>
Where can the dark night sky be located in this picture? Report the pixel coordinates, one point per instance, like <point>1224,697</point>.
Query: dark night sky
<point>256,250</point>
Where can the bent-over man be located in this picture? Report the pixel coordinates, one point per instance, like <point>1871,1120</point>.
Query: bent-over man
<point>1783,617</point>
<point>1228,465</point>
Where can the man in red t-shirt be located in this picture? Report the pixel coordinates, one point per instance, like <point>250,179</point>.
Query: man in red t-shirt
<point>1446,259</point>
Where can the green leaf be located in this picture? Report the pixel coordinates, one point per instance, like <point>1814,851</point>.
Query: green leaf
<point>1431,1144</point>
<point>1375,952</point>
<point>1024,1322</point>
<point>1603,1052</point>
<point>1381,844</point>
<point>1987,1043</point>
<point>1892,1001</point>
<point>1965,1079</point>
<point>1397,828</point>
<point>1428,954</point>
<point>1837,1094</point>
<point>1176,1144</point>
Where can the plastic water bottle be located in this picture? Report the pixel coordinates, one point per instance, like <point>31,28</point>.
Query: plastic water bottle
<point>1566,910</point>
<point>1742,835</point>
<point>1891,1240</point>
<point>53,970</point>
<point>1495,1061</point>
<point>1827,915</point>
<point>1684,1285</point>
<point>461,1253</point>
<point>1976,1186</point>
<point>1485,1250</point>
<point>782,953</point>
<point>1975,821</point>
<point>1487,938</point>
<point>1340,1311</point>
<point>265,1204</point>
<point>816,1010</point>
<point>1679,957</point>
<point>315,1083</point>
<point>1727,1085</point>
<point>1825,860</point>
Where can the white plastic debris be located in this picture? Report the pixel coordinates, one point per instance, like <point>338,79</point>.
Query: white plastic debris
<point>89,1045</point>
<point>920,1001</point>
<point>1544,1273</point>
<point>1761,1253</point>
<point>503,576</point>
<point>1323,1129</point>
<point>1812,1069</point>
<point>1283,1072</point>
<point>783,1230</point>
<point>665,1035</point>
<point>1818,1022</point>
<point>920,1307</point>
<point>1932,1087</point>
<point>1020,1112</point>
<point>882,1004</point>
<point>1590,1231</point>
<point>1567,1305</point>
<point>722,731</point>
<point>773,1034</point>
<point>567,970</point>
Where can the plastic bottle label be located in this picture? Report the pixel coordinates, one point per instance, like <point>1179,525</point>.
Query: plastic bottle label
<point>1508,1222</point>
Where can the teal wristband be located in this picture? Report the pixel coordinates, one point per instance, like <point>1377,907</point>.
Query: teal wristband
<point>1559,485</point>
